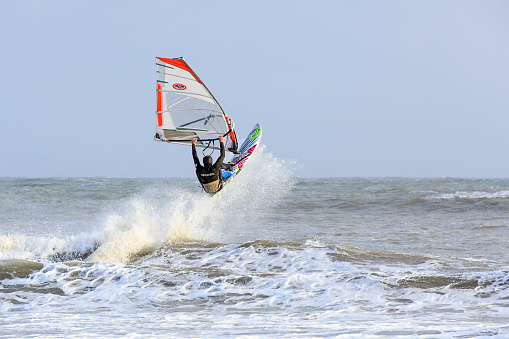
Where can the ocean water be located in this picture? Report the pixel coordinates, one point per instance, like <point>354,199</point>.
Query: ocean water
<point>274,257</point>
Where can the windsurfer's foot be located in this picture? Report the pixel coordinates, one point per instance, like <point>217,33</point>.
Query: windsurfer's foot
<point>228,166</point>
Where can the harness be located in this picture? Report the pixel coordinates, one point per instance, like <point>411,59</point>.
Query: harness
<point>212,187</point>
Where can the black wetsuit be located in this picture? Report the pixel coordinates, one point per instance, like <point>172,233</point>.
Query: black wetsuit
<point>213,174</point>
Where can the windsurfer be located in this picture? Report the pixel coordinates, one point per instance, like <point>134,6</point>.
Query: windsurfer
<point>209,174</point>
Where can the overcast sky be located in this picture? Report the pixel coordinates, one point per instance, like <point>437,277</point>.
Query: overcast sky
<point>344,88</point>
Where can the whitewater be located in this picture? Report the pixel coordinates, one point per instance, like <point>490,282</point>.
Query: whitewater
<point>274,257</point>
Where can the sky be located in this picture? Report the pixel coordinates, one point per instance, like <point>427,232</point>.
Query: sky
<point>341,88</point>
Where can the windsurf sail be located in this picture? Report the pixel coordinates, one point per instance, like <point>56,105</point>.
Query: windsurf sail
<point>186,109</point>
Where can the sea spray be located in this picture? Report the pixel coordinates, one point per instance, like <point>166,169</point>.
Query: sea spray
<point>166,214</point>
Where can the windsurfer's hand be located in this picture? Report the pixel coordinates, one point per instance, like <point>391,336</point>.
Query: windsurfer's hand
<point>221,139</point>
<point>194,141</point>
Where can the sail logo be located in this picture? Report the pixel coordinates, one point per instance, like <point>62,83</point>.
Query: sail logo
<point>255,133</point>
<point>179,87</point>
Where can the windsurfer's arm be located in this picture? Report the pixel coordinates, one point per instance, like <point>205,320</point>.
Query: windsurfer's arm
<point>221,157</point>
<point>195,156</point>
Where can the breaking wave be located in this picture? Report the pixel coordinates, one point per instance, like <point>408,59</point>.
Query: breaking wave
<point>161,215</point>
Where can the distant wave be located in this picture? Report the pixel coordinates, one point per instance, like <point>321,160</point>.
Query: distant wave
<point>471,195</point>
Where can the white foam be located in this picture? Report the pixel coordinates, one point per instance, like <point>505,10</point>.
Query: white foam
<point>274,288</point>
<point>471,195</point>
<point>25,247</point>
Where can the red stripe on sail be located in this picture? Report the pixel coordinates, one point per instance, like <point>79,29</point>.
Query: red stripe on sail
<point>159,106</point>
<point>179,64</point>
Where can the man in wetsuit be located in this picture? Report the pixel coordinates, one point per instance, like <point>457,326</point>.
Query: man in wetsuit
<point>209,175</point>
